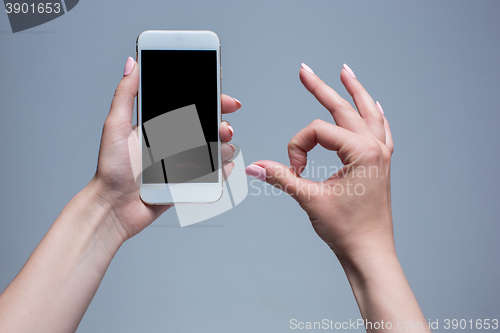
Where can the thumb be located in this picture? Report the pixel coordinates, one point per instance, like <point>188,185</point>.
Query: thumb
<point>122,107</point>
<point>281,177</point>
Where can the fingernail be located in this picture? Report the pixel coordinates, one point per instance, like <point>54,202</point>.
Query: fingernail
<point>349,70</point>
<point>380,107</point>
<point>129,66</point>
<point>234,148</point>
<point>230,129</point>
<point>256,172</point>
<point>238,102</point>
<point>307,68</point>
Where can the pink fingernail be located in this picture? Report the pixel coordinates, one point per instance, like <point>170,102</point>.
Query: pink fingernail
<point>239,103</point>
<point>380,107</point>
<point>230,129</point>
<point>256,172</point>
<point>129,66</point>
<point>349,70</point>
<point>307,68</point>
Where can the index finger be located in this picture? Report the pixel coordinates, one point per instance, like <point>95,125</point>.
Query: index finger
<point>329,136</point>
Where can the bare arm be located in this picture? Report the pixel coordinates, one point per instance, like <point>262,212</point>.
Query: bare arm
<point>56,285</point>
<point>383,294</point>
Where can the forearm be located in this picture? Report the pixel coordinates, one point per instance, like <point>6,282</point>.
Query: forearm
<point>53,290</point>
<point>383,293</point>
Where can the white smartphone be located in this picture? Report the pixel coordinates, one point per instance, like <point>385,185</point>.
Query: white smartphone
<point>179,114</point>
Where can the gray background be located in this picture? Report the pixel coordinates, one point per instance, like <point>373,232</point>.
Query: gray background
<point>434,66</point>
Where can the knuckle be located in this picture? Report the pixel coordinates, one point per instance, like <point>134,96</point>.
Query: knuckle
<point>292,144</point>
<point>109,125</point>
<point>123,94</point>
<point>120,90</point>
<point>375,116</point>
<point>391,148</point>
<point>372,153</point>
<point>387,156</point>
<point>380,117</point>
<point>317,87</point>
<point>345,105</point>
<point>316,123</point>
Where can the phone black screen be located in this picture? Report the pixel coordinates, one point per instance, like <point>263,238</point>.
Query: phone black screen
<point>179,116</point>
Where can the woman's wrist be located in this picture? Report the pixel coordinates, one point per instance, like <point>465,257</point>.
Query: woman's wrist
<point>369,259</point>
<point>382,290</point>
<point>97,216</point>
<point>367,265</point>
<point>365,242</point>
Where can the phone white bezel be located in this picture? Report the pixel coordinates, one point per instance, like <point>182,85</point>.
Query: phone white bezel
<point>167,194</point>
